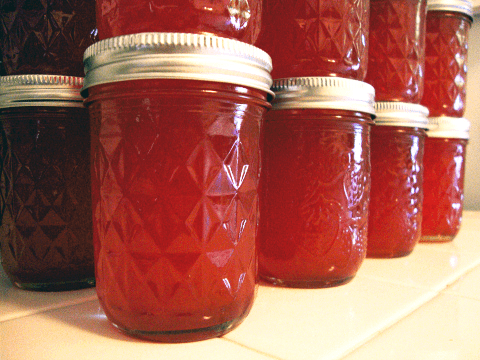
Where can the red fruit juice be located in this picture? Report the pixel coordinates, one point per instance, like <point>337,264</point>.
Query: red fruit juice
<point>396,55</point>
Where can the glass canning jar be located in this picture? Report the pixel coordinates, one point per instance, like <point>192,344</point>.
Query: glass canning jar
<point>45,199</point>
<point>316,38</point>
<point>175,156</point>
<point>396,56</point>
<point>448,25</point>
<point>444,174</point>
<point>397,145</point>
<point>315,182</point>
<point>45,36</point>
<point>235,19</point>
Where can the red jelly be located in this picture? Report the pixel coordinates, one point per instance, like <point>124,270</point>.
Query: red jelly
<point>396,56</point>
<point>45,37</point>
<point>176,165</point>
<point>444,163</point>
<point>45,200</point>
<point>397,144</point>
<point>316,38</point>
<point>448,24</point>
<point>235,19</point>
<point>315,183</point>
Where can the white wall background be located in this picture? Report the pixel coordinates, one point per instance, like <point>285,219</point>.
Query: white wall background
<point>472,113</point>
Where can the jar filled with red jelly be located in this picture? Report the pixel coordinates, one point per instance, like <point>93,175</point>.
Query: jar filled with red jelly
<point>316,38</point>
<point>444,175</point>
<point>397,145</point>
<point>396,56</point>
<point>45,37</point>
<point>448,25</point>
<point>45,198</point>
<point>315,182</point>
<point>176,124</point>
<point>234,19</point>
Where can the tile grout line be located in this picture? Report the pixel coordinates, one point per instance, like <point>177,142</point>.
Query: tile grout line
<point>251,349</point>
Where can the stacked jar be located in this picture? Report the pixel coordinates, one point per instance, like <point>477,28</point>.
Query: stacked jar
<point>315,182</point>
<point>46,234</point>
<point>448,24</point>
<point>396,70</point>
<point>176,93</point>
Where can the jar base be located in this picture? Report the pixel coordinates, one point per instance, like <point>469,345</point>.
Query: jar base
<point>58,285</point>
<point>437,238</point>
<point>306,284</point>
<point>183,336</point>
<point>388,255</point>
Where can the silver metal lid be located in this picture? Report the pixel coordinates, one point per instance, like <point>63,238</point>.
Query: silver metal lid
<point>461,6</point>
<point>392,113</point>
<point>323,93</point>
<point>40,90</point>
<point>177,56</point>
<point>448,127</point>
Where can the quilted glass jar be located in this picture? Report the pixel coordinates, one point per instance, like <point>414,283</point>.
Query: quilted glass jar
<point>316,38</point>
<point>397,145</point>
<point>45,36</point>
<point>175,149</point>
<point>315,182</point>
<point>235,19</point>
<point>444,175</point>
<point>45,199</point>
<point>448,25</point>
<point>396,55</point>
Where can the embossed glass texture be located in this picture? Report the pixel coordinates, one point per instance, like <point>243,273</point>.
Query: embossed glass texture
<point>396,56</point>
<point>446,63</point>
<point>45,36</point>
<point>174,181</point>
<point>314,194</point>
<point>316,38</point>
<point>45,199</point>
<point>235,19</point>
<point>396,198</point>
<point>444,174</point>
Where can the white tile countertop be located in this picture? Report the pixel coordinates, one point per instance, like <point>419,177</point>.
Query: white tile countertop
<point>423,306</point>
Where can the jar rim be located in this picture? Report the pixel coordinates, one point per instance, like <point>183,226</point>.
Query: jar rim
<point>461,6</point>
<point>40,90</point>
<point>176,56</point>
<point>332,93</point>
<point>448,127</point>
<point>396,113</point>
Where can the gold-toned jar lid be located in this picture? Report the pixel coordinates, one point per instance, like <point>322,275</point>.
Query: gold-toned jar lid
<point>393,113</point>
<point>448,127</point>
<point>40,90</point>
<point>176,56</point>
<point>323,93</point>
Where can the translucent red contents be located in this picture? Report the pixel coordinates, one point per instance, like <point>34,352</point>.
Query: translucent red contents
<point>446,63</point>
<point>396,56</point>
<point>316,38</point>
<point>395,218</point>
<point>240,19</point>
<point>174,183</point>
<point>45,37</point>
<point>45,200</point>
<point>444,164</point>
<point>314,194</point>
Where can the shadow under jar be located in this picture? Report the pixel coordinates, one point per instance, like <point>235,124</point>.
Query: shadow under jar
<point>45,37</point>
<point>316,38</point>
<point>448,24</point>
<point>397,145</point>
<point>234,19</point>
<point>444,175</point>
<point>175,149</point>
<point>315,182</point>
<point>45,199</point>
<point>396,54</point>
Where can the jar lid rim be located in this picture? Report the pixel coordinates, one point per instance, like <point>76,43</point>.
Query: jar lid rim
<point>461,6</point>
<point>333,93</point>
<point>396,113</point>
<point>40,90</point>
<point>186,56</point>
<point>448,127</point>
